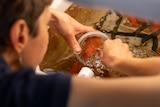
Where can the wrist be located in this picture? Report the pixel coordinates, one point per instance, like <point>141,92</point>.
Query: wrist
<point>115,64</point>
<point>54,14</point>
<point>121,65</point>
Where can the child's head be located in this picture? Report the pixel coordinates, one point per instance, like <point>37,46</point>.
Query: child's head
<point>19,19</point>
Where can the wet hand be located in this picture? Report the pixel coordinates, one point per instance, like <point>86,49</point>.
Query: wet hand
<point>113,51</point>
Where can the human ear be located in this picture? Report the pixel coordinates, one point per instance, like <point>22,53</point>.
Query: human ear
<point>19,35</point>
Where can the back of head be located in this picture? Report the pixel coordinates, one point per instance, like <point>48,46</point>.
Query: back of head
<point>13,10</point>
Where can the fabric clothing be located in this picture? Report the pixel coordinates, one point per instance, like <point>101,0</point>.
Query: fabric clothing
<point>25,89</point>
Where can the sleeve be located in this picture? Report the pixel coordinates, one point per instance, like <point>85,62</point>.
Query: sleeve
<point>49,91</point>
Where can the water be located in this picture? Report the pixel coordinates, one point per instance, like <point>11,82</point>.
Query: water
<point>94,62</point>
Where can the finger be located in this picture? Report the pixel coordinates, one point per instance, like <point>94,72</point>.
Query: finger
<point>84,29</point>
<point>73,44</point>
<point>119,41</point>
<point>107,44</point>
<point>125,45</point>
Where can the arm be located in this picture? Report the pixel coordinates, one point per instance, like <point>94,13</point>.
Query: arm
<point>117,57</point>
<point>68,27</point>
<point>126,92</point>
<point>138,66</point>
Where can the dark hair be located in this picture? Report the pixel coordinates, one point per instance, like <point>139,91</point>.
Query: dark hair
<point>13,10</point>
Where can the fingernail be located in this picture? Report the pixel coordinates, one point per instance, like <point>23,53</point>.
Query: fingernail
<point>77,50</point>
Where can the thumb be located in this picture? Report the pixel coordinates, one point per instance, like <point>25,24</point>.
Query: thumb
<point>73,44</point>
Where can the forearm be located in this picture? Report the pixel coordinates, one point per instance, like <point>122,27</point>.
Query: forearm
<point>59,16</point>
<point>138,66</point>
<point>126,92</point>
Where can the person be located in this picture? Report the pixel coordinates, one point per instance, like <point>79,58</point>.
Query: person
<point>23,43</point>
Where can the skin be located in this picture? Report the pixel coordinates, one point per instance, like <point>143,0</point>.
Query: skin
<point>85,92</point>
<point>120,92</point>
<point>68,28</point>
<point>38,44</point>
<point>117,56</point>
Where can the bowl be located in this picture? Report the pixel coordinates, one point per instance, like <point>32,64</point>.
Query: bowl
<point>91,44</point>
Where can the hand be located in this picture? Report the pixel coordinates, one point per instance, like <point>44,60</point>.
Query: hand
<point>68,27</point>
<point>113,51</point>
